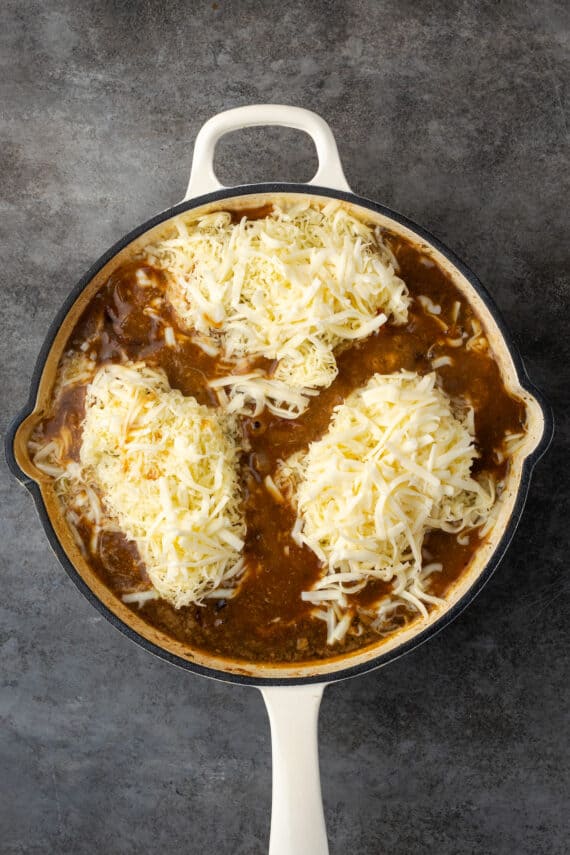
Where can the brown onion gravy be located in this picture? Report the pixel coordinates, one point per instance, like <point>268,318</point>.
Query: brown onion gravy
<point>267,620</point>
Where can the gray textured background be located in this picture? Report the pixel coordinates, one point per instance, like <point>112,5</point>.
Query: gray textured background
<point>450,112</point>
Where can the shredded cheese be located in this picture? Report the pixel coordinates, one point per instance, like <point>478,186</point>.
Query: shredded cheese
<point>441,362</point>
<point>76,369</point>
<point>428,304</point>
<point>165,470</point>
<point>290,287</point>
<point>394,464</point>
<point>249,394</point>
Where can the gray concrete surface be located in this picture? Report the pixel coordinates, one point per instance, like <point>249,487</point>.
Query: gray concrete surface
<point>451,112</point>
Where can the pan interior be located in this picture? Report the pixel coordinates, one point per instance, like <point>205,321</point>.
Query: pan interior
<point>361,658</point>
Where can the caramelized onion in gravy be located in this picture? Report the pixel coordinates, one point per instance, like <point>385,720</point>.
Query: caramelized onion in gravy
<point>267,620</point>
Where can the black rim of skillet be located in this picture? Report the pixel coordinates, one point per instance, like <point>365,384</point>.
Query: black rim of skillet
<point>382,658</point>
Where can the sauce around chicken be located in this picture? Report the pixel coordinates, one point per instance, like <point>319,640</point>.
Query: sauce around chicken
<point>267,620</point>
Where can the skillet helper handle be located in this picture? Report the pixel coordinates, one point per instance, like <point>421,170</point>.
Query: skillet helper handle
<point>297,817</point>
<point>202,176</point>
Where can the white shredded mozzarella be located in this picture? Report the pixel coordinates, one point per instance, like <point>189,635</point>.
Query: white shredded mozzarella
<point>165,470</point>
<point>249,394</point>
<point>441,361</point>
<point>141,597</point>
<point>290,287</point>
<point>76,369</point>
<point>429,305</point>
<point>169,337</point>
<point>395,463</point>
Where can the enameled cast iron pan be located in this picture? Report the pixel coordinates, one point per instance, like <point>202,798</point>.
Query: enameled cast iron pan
<point>292,692</point>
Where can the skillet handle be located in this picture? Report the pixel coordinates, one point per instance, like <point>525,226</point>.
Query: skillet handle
<point>202,176</point>
<point>297,817</point>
